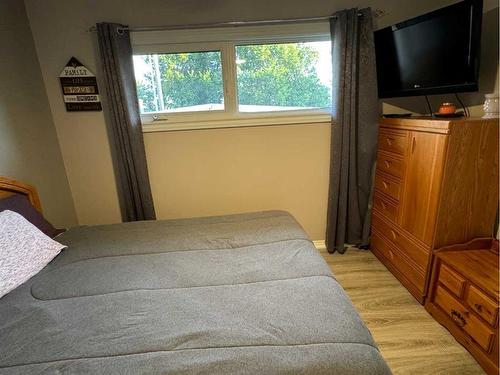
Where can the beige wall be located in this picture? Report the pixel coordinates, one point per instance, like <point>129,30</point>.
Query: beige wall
<point>194,172</point>
<point>29,150</point>
<point>220,171</point>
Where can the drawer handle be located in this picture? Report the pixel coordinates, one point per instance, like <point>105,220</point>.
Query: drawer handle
<point>478,307</point>
<point>393,234</point>
<point>389,141</point>
<point>458,318</point>
<point>383,205</point>
<point>387,164</point>
<point>386,185</point>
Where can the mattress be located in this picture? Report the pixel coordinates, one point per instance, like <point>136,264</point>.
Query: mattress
<point>238,294</point>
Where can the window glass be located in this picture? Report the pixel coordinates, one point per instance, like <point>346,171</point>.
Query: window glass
<point>179,82</point>
<point>284,77</point>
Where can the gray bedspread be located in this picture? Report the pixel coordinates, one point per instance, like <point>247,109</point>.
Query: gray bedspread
<point>239,294</point>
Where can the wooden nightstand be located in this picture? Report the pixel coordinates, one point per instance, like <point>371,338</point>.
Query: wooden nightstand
<point>463,297</point>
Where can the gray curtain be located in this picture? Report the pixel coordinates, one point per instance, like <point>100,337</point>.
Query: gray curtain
<point>125,123</point>
<point>354,129</point>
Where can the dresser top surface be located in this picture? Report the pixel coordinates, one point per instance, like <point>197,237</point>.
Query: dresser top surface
<point>430,124</point>
<point>479,266</point>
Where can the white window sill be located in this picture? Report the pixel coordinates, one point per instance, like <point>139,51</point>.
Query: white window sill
<point>236,122</point>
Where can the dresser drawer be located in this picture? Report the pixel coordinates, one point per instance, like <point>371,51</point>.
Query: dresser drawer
<point>386,207</point>
<point>464,319</point>
<point>452,280</point>
<point>388,185</point>
<point>390,164</point>
<point>482,305</point>
<point>393,141</point>
<point>382,245</point>
<point>417,253</point>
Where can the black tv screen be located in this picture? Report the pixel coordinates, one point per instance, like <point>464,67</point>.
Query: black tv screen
<point>435,53</point>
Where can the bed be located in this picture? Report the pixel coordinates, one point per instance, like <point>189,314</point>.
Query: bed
<point>237,294</point>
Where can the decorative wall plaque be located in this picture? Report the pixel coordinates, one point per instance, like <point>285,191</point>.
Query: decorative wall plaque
<point>79,87</point>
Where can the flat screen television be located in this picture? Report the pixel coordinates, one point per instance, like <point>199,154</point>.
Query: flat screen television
<point>435,53</point>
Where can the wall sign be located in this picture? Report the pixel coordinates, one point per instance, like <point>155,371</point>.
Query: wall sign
<point>79,87</point>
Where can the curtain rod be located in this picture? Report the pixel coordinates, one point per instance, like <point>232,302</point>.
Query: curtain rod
<point>225,24</point>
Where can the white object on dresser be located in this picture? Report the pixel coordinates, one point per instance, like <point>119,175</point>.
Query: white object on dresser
<point>490,106</point>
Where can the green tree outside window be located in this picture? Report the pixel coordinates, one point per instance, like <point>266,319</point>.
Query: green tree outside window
<point>283,75</point>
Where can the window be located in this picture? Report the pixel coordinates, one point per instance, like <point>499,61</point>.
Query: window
<point>284,77</point>
<point>179,82</point>
<point>234,76</point>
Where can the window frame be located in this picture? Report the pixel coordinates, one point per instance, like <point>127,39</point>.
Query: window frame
<point>225,40</point>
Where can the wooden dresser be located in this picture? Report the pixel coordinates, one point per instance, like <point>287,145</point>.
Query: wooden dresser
<point>436,184</point>
<point>463,296</point>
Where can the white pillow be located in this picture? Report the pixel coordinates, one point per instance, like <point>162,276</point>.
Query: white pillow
<point>24,250</point>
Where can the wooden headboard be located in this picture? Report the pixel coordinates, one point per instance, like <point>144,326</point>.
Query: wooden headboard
<point>8,187</point>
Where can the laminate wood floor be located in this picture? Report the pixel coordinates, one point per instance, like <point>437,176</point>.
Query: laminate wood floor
<point>410,340</point>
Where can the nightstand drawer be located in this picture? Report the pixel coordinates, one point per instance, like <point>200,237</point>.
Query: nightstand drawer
<point>464,319</point>
<point>482,305</point>
<point>386,207</point>
<point>463,296</point>
<point>452,280</point>
<point>390,164</point>
<point>393,141</point>
<point>388,185</point>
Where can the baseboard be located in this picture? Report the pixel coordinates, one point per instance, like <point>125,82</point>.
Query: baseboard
<point>319,244</point>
